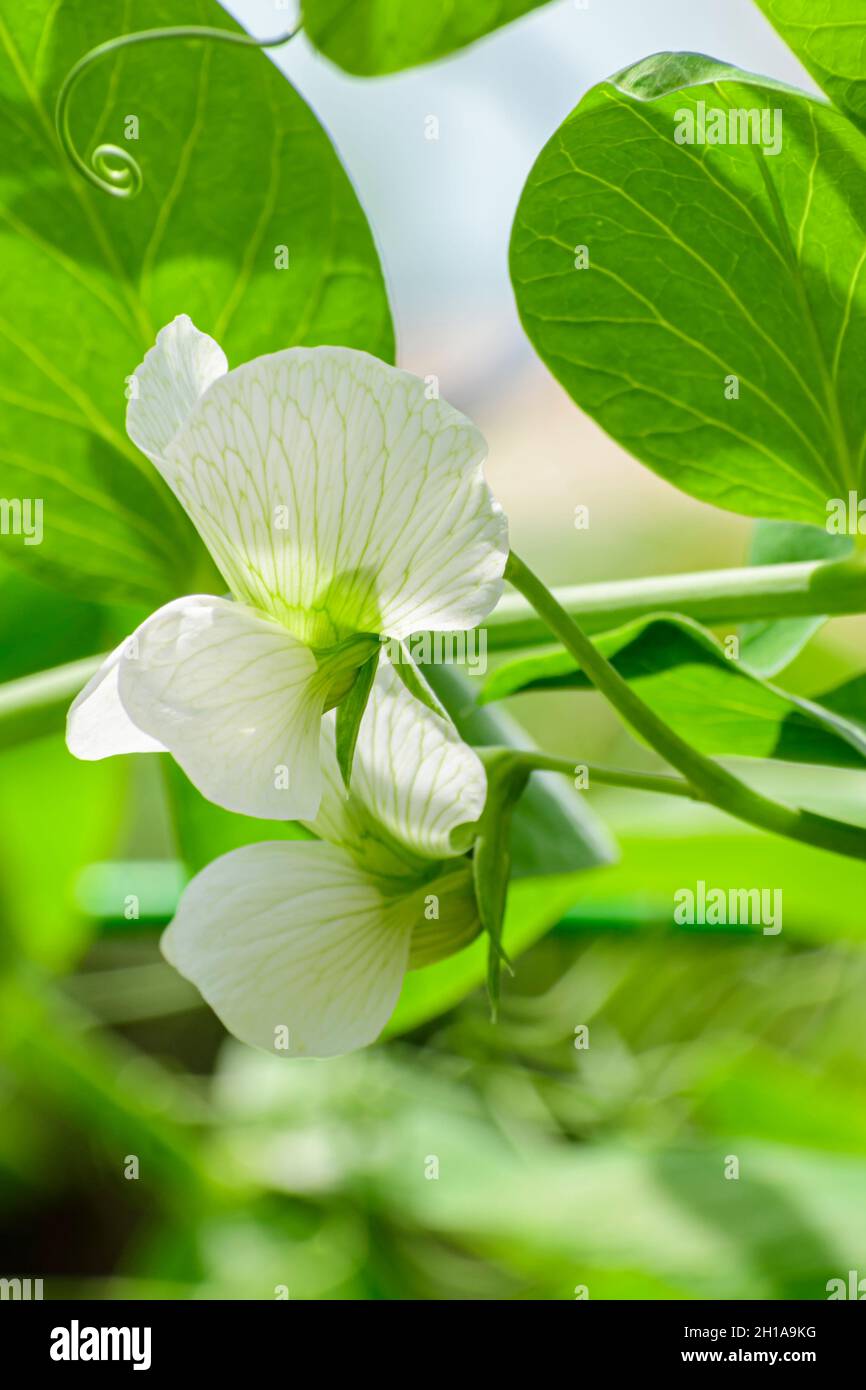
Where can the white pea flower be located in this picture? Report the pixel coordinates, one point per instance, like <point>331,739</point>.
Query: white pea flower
<point>341,506</point>
<point>301,946</point>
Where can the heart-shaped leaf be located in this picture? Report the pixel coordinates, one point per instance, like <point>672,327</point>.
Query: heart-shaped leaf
<point>705,302</point>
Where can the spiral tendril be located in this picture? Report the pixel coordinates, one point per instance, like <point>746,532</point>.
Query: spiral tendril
<point>112,168</point>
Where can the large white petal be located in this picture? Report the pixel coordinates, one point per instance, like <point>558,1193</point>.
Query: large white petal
<point>234,698</point>
<point>413,777</point>
<point>332,493</point>
<point>97,725</point>
<point>177,369</point>
<point>293,936</point>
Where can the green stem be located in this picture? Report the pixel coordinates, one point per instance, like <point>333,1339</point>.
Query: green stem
<point>611,776</point>
<point>709,779</point>
<point>802,589</point>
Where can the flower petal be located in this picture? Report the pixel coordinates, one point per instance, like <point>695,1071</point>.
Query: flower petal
<point>234,698</point>
<point>413,777</point>
<point>178,368</point>
<point>97,725</point>
<point>292,936</point>
<point>447,917</point>
<point>333,494</point>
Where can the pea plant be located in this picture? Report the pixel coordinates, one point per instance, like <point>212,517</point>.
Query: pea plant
<point>204,435</point>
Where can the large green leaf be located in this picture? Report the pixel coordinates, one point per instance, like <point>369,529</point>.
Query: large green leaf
<point>370,37</point>
<point>767,647</point>
<point>829,38</point>
<point>722,707</point>
<point>706,262</point>
<point>35,629</point>
<point>235,165</point>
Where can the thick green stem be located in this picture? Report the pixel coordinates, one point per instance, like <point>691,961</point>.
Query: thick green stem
<point>805,589</point>
<point>712,782</point>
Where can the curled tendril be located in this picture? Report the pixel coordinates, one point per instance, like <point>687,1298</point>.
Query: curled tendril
<point>112,168</point>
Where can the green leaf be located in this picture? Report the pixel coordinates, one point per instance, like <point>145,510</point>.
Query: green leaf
<point>830,41</point>
<point>350,712</point>
<point>415,682</point>
<point>235,165</point>
<point>370,37</point>
<point>706,262</point>
<point>553,830</point>
<point>681,671</point>
<point>491,856</point>
<point>35,629</point>
<point>849,702</point>
<point>767,647</point>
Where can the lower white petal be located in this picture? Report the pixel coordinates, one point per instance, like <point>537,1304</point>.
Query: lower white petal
<point>234,698</point>
<point>97,725</point>
<point>294,947</point>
